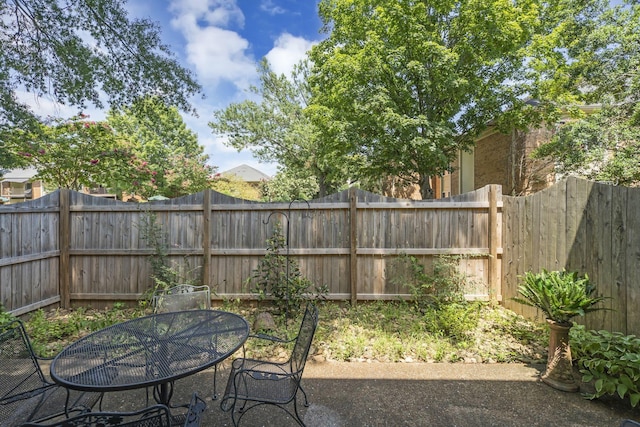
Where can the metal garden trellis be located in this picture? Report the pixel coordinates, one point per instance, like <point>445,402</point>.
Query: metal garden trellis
<point>287,216</point>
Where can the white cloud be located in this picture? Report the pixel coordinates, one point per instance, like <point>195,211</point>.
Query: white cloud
<point>220,13</point>
<point>217,144</point>
<point>270,8</point>
<point>217,52</point>
<point>288,50</point>
<point>45,106</point>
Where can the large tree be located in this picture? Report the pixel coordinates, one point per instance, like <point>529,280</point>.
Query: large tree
<point>600,66</point>
<point>406,84</point>
<point>83,52</point>
<point>159,136</point>
<point>275,127</point>
<point>77,153</point>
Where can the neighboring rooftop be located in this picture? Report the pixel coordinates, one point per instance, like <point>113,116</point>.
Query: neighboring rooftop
<point>247,173</point>
<point>17,175</point>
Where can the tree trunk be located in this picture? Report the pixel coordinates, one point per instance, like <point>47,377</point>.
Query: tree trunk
<point>426,192</point>
<point>322,185</point>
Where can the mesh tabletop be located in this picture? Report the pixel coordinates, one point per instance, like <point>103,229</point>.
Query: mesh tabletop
<point>149,350</point>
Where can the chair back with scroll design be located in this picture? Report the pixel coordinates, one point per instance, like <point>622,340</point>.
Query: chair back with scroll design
<point>25,393</point>
<point>182,297</point>
<point>256,382</point>
<point>152,416</point>
<point>303,342</point>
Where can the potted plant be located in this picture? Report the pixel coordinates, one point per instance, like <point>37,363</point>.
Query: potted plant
<point>561,296</point>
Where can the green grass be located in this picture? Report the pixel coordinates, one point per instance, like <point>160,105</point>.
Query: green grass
<point>376,331</point>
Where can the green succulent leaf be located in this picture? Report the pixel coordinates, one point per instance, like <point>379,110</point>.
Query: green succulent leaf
<point>560,295</point>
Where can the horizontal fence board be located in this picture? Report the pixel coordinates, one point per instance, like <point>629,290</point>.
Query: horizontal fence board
<point>424,204</point>
<point>111,296</point>
<point>109,255</point>
<point>28,258</point>
<point>424,251</point>
<point>576,224</point>
<point>35,306</point>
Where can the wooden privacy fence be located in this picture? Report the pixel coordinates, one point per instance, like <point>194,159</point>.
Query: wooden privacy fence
<point>75,249</point>
<point>72,248</point>
<point>581,226</point>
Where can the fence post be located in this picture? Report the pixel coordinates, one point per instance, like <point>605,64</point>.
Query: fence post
<point>64,239</point>
<point>353,250</point>
<point>494,241</point>
<point>206,238</point>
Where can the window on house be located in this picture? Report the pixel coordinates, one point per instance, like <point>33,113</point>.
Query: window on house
<point>467,171</point>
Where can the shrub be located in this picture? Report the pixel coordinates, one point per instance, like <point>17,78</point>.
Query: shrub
<point>278,277</point>
<point>164,273</point>
<point>5,316</point>
<point>610,359</point>
<point>444,286</point>
<point>455,321</point>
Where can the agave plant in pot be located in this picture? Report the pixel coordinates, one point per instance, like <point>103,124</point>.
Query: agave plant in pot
<point>561,296</point>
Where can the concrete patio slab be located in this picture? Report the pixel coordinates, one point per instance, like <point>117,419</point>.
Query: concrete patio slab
<point>412,394</point>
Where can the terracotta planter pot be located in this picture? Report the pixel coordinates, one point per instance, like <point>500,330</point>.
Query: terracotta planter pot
<point>559,373</point>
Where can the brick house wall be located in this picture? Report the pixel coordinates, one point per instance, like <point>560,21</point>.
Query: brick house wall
<point>504,159</point>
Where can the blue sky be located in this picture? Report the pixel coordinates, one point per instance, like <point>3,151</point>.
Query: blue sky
<point>221,41</point>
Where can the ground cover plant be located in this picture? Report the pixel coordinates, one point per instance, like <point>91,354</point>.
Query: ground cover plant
<point>386,331</point>
<point>609,360</point>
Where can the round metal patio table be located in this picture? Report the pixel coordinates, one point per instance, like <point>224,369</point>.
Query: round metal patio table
<point>150,351</point>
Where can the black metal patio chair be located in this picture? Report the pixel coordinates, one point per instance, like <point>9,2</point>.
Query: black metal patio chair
<point>26,394</point>
<point>152,416</point>
<point>256,382</point>
<point>182,297</point>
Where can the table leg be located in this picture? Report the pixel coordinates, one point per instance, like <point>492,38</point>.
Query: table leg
<point>162,392</point>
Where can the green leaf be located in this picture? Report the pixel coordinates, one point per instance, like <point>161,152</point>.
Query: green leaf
<point>624,379</point>
<point>599,385</point>
<point>622,390</point>
<point>587,378</point>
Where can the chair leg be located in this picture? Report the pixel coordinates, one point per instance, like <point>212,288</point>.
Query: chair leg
<point>297,417</point>
<point>215,376</point>
<point>304,393</point>
<point>233,419</point>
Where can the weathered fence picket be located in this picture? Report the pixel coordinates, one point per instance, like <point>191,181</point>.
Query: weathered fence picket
<point>74,249</point>
<point>582,226</point>
<point>98,254</point>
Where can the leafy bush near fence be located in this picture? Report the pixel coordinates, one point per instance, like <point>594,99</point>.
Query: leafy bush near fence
<point>4,315</point>
<point>444,286</point>
<point>610,359</point>
<point>278,277</point>
<point>50,331</point>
